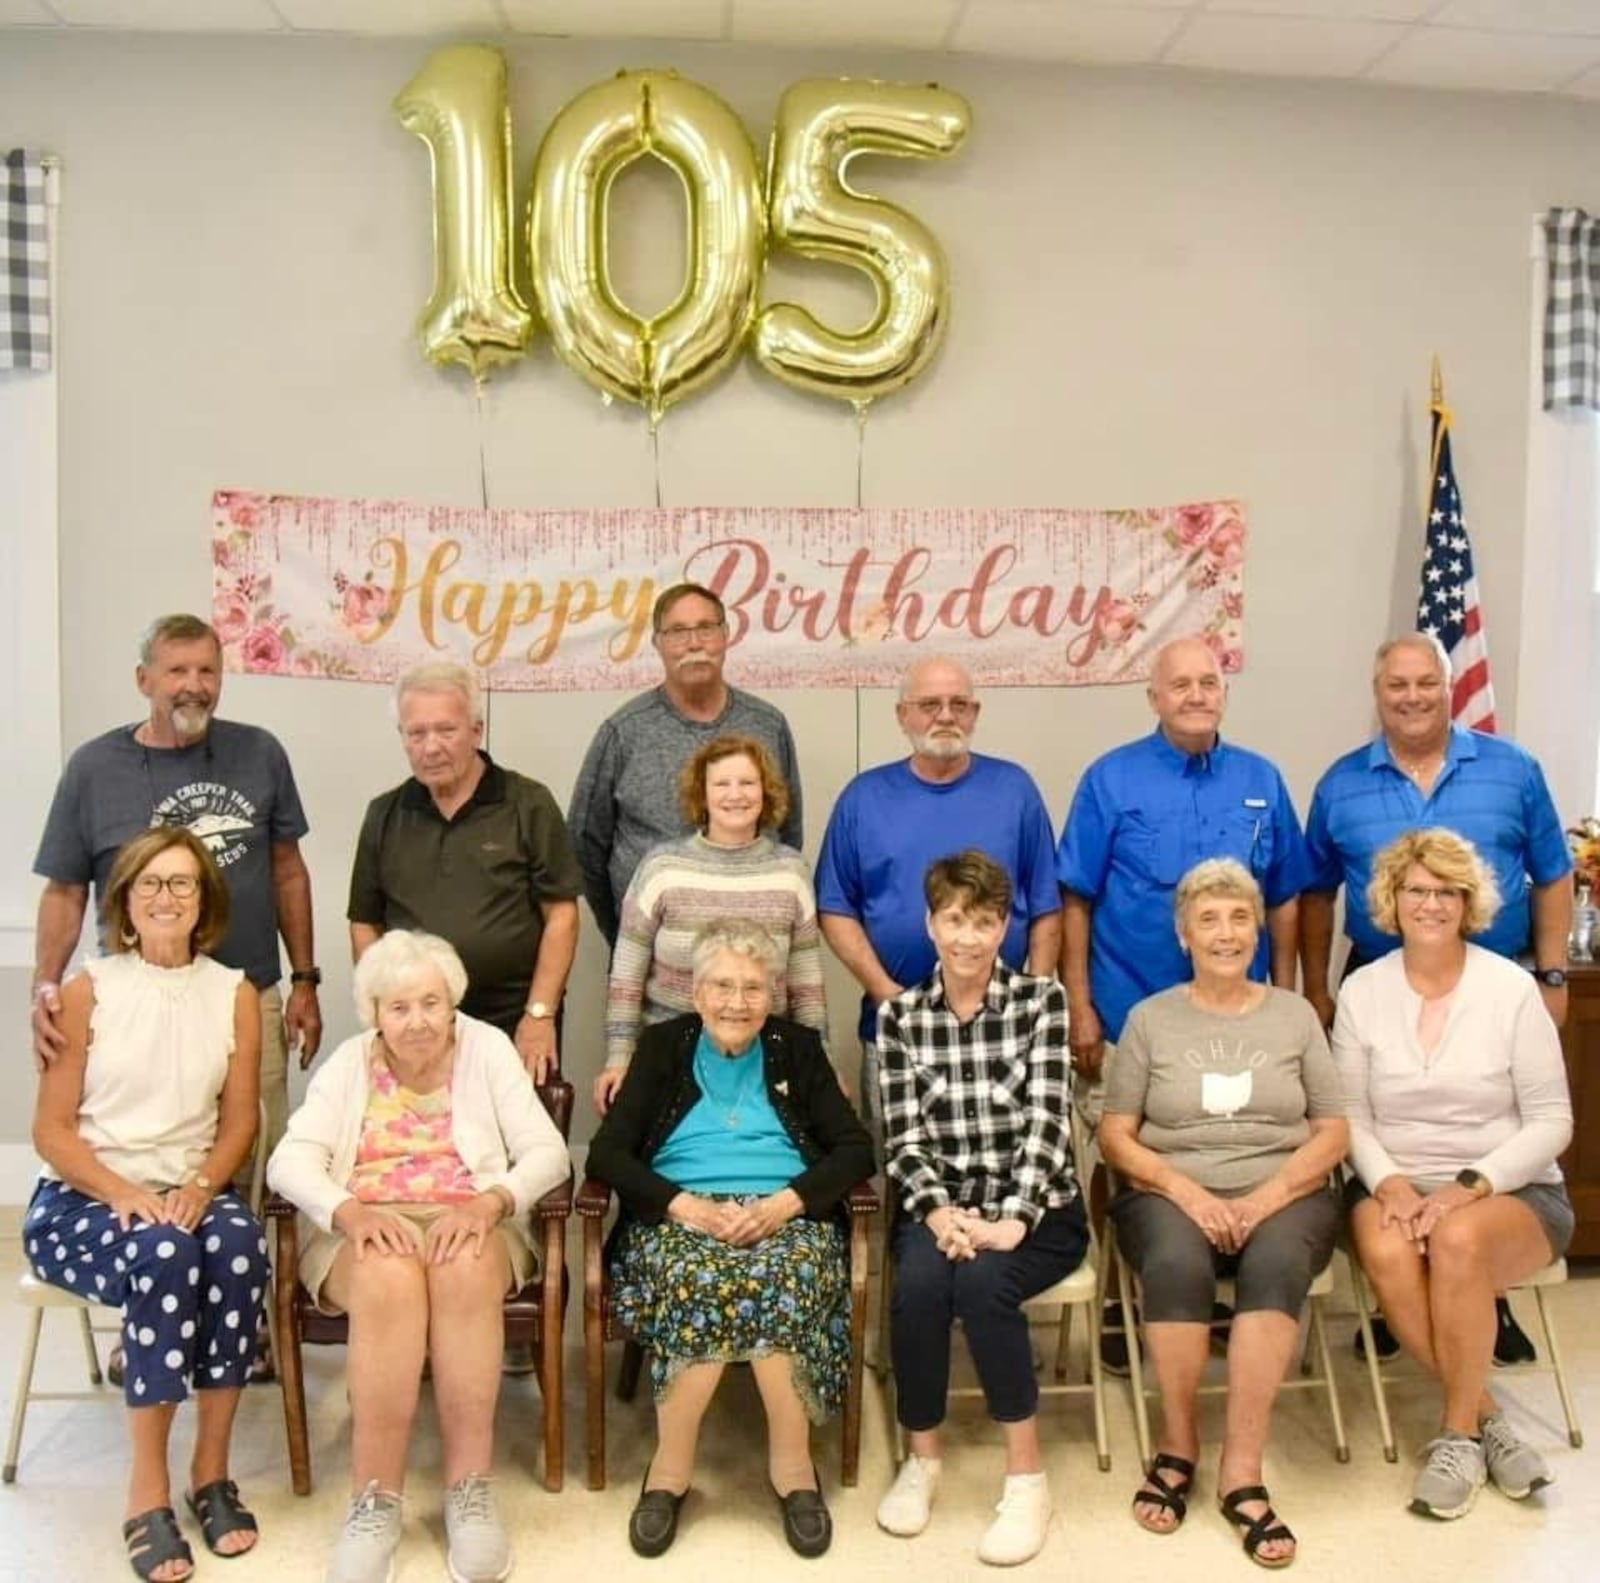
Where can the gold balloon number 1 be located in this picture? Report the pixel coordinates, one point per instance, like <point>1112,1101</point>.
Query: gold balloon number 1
<point>457,105</point>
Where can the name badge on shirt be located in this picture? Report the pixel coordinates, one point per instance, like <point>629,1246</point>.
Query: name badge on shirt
<point>1255,802</point>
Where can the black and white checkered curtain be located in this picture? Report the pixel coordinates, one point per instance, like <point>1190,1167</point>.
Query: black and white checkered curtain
<point>24,262</point>
<point>1572,310</point>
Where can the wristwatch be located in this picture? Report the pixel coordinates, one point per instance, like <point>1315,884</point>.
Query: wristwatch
<point>1553,977</point>
<point>538,1011</point>
<point>1475,1182</point>
<point>306,975</point>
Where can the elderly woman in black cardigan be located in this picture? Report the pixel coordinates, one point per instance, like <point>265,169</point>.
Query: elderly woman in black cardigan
<point>731,1147</point>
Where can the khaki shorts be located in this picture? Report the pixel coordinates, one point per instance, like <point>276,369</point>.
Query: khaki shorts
<point>322,1248</point>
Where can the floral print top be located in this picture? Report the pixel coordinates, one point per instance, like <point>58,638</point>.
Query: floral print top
<point>407,1153</point>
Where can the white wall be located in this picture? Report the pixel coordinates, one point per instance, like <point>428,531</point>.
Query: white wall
<point>1167,286</point>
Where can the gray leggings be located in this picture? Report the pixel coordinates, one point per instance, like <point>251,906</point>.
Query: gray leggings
<point>1178,1268</point>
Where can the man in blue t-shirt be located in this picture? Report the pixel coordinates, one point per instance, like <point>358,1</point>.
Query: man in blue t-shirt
<point>1142,817</point>
<point>891,822</point>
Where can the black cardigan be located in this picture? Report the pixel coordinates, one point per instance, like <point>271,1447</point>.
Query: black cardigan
<point>660,1090</point>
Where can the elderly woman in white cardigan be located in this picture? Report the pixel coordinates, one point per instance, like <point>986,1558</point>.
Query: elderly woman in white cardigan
<point>415,1158</point>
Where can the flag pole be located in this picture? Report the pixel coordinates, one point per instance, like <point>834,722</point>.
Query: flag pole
<point>1441,423</point>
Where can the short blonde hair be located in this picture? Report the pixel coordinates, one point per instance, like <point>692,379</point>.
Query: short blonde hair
<point>1218,876</point>
<point>692,782</point>
<point>1451,859</point>
<point>401,957</point>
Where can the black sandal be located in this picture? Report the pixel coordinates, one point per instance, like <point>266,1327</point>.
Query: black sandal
<point>1169,1497</point>
<point>153,1539</point>
<point>220,1512</point>
<point>1257,1530</point>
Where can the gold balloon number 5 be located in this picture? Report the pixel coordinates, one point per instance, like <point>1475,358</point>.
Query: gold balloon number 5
<point>457,105</point>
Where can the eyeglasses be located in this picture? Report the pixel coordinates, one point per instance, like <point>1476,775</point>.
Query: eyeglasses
<point>932,708</point>
<point>725,991</point>
<point>183,886</point>
<point>706,631</point>
<point>1421,895</point>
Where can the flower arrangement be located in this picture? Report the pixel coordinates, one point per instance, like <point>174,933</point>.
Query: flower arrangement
<point>1583,841</point>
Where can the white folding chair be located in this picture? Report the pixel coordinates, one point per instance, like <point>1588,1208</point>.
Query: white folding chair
<point>1551,1275</point>
<point>41,1295</point>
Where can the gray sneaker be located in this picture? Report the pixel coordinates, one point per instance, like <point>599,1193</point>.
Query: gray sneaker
<point>1449,1483</point>
<point>368,1540</point>
<point>480,1552</point>
<point>1516,1468</point>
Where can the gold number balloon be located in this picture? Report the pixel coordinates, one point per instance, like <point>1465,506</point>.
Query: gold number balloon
<point>821,126</point>
<point>657,361</point>
<point>457,105</point>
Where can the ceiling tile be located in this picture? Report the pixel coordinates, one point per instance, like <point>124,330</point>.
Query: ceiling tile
<point>1282,46</point>
<point>1437,57</point>
<point>1522,16</point>
<point>903,24</point>
<point>391,16</point>
<point>172,16</point>
<point>645,19</point>
<point>1333,10</point>
<point>1053,30</point>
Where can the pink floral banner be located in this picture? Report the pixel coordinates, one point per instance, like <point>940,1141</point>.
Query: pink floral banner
<point>560,600</point>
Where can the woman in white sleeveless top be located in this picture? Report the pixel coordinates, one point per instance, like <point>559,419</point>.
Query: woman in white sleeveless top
<point>143,1122</point>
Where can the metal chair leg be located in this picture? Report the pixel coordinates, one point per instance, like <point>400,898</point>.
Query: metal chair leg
<point>30,1351</point>
<point>91,1353</point>
<point>1319,1332</point>
<point>1574,1432</point>
<point>1369,1348</point>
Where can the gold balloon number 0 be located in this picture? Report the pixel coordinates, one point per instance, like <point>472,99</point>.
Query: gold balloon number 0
<point>457,105</point>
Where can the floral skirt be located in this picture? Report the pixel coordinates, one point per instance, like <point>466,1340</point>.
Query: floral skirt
<point>692,1299</point>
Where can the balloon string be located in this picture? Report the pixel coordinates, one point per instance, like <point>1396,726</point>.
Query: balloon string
<point>655,452</point>
<point>483,458</point>
<point>861,446</point>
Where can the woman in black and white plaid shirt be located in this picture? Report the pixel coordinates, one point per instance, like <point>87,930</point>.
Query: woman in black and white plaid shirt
<point>975,1081</point>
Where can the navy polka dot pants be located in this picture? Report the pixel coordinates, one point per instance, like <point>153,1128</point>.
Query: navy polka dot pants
<point>190,1300</point>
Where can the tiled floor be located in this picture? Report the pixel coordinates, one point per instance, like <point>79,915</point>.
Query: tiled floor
<point>60,1520</point>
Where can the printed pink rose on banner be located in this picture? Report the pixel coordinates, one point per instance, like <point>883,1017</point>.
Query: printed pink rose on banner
<point>230,615</point>
<point>363,605</point>
<point>1118,621</point>
<point>265,650</point>
<point>1226,544</point>
<point>1229,658</point>
<point>243,508</point>
<point>1193,524</point>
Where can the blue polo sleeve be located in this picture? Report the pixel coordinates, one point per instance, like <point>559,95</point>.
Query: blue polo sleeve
<point>1324,871</point>
<point>1083,856</point>
<point>1290,872</point>
<point>1548,857</point>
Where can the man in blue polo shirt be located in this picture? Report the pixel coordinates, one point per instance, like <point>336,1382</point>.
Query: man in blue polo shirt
<point>891,822</point>
<point>1142,817</point>
<point>1422,770</point>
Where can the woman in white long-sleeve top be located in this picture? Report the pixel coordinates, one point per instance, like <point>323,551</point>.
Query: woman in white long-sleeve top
<point>419,1150</point>
<point>1458,1111</point>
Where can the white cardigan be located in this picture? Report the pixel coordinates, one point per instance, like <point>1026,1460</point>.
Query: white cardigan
<point>503,1134</point>
<point>1492,1096</point>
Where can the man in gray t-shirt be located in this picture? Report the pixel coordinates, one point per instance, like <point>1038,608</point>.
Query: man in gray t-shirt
<point>626,798</point>
<point>232,786</point>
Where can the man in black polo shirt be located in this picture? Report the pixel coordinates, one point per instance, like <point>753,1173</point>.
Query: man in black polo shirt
<point>477,854</point>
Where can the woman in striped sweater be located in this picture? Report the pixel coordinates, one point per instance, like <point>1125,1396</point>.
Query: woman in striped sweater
<point>733,868</point>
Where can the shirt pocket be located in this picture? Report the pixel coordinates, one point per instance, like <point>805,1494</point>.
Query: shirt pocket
<point>1150,848</point>
<point>1252,839</point>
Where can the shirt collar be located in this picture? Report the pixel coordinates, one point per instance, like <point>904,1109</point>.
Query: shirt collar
<point>1174,757</point>
<point>994,997</point>
<point>1461,744</point>
<point>491,788</point>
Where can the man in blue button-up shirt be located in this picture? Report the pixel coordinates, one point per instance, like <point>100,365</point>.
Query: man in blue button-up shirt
<point>1422,770</point>
<point>1144,815</point>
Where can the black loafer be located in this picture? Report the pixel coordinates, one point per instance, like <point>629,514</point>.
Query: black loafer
<point>806,1523</point>
<point>654,1523</point>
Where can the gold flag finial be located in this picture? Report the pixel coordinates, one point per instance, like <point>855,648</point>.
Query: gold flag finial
<point>1438,381</point>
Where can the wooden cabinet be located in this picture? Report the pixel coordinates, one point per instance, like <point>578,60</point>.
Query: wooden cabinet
<point>1580,1042</point>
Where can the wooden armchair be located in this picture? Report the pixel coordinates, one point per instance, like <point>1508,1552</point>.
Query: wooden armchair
<point>600,1326</point>
<point>533,1315</point>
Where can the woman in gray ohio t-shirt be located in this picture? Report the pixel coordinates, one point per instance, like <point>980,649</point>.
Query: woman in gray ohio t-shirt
<point>1223,1118</point>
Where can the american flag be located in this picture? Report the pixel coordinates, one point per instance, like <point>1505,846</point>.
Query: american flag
<point>1448,605</point>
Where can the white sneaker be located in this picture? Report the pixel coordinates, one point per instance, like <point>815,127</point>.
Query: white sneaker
<point>479,1551</point>
<point>367,1543</point>
<point>1017,1533</point>
<point>905,1510</point>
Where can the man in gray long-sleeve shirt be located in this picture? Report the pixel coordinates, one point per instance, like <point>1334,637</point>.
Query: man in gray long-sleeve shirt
<point>626,799</point>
